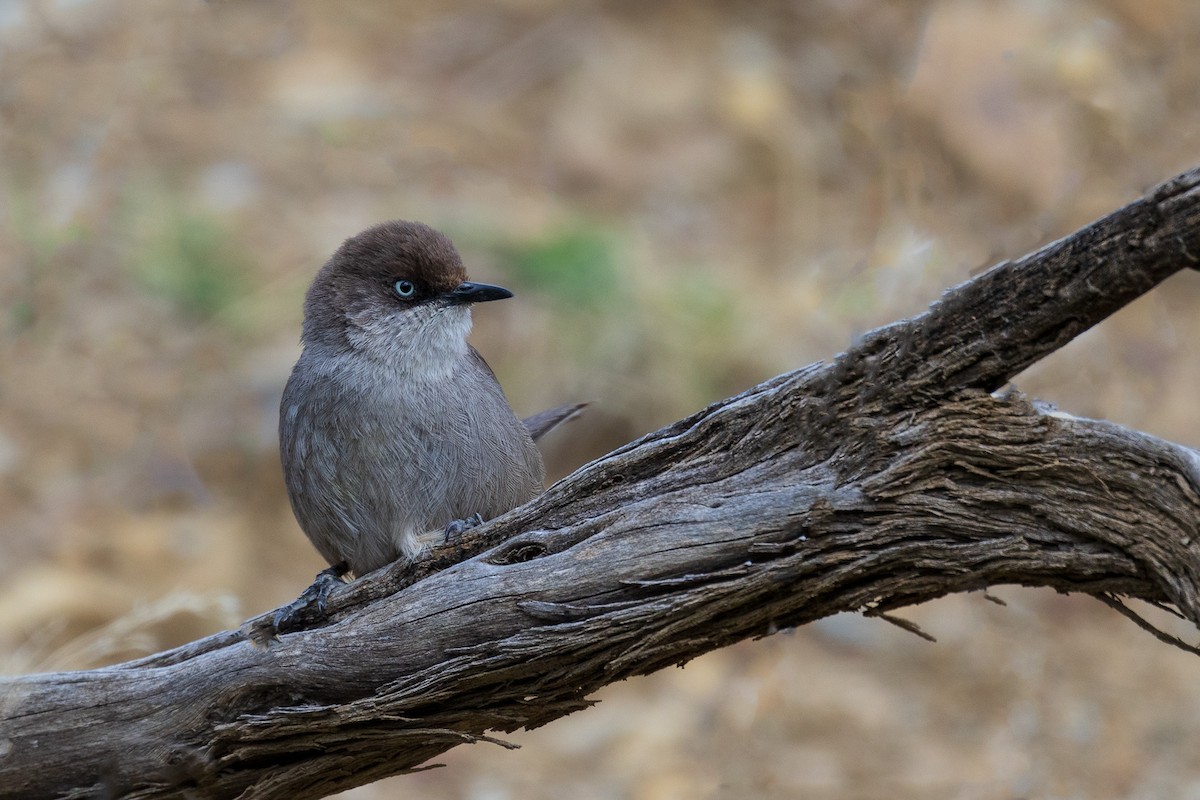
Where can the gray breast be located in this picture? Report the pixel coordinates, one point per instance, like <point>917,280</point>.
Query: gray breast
<point>373,466</point>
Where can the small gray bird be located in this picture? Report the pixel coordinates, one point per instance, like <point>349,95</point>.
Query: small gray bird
<point>391,426</point>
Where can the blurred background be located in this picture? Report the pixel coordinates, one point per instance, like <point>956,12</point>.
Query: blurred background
<point>687,199</point>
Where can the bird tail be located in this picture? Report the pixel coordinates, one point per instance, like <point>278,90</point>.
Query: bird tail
<point>543,422</point>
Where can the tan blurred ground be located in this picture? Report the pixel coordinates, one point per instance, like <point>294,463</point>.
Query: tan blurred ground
<point>687,198</point>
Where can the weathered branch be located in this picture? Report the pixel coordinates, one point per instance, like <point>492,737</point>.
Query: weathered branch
<point>886,477</point>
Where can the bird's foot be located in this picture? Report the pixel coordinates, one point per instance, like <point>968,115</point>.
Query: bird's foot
<point>310,606</point>
<point>458,527</point>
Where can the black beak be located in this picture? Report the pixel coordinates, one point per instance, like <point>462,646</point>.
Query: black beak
<point>468,292</point>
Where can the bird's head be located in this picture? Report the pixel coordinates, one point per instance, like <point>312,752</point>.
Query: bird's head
<point>397,292</point>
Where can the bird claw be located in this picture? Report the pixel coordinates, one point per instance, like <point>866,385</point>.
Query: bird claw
<point>311,605</point>
<point>458,527</point>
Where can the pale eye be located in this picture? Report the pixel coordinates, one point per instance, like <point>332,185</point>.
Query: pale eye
<point>405,289</point>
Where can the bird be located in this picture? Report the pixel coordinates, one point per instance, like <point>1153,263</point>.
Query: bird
<point>393,430</point>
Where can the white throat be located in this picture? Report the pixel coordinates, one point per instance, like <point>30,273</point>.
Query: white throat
<point>423,344</point>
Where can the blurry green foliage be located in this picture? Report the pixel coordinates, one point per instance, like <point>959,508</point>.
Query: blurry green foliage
<point>20,316</point>
<point>43,239</point>
<point>576,266</point>
<point>707,305</point>
<point>697,312</point>
<point>41,242</point>
<point>189,259</point>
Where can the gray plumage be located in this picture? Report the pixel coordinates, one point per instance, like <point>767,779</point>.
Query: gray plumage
<point>391,425</point>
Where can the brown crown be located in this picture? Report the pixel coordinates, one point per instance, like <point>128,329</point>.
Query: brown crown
<point>362,271</point>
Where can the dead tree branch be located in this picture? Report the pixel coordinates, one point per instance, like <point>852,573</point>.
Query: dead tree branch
<point>895,473</point>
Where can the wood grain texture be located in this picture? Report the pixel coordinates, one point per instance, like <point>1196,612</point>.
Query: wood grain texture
<point>893,474</point>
